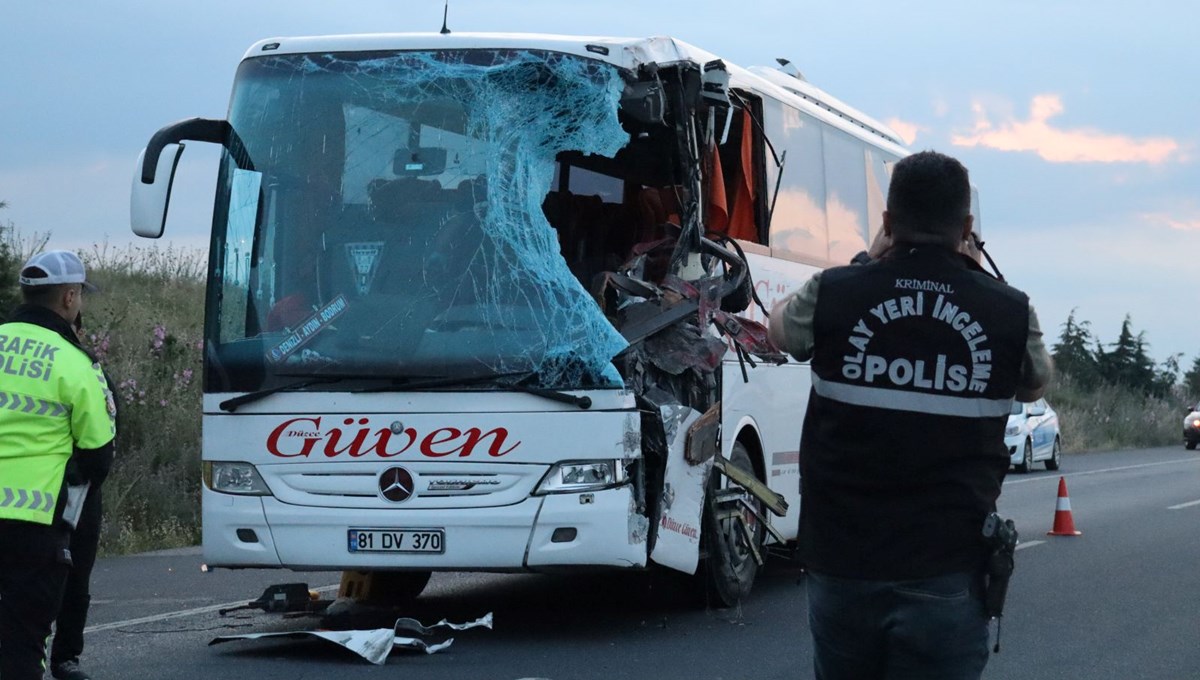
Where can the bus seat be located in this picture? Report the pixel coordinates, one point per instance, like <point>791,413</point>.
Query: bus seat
<point>392,199</point>
<point>471,191</point>
<point>656,207</point>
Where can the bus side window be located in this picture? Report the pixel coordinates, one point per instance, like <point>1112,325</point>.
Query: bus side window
<point>734,213</point>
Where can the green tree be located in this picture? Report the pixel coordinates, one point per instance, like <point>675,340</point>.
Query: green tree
<point>1143,374</point>
<point>1191,380</point>
<point>9,294</point>
<point>1127,362</point>
<point>1072,355</point>
<point>1166,376</point>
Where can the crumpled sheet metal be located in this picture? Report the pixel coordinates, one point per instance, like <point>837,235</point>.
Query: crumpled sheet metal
<point>375,645</point>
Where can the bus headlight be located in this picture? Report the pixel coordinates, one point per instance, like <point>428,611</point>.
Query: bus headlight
<point>582,475</point>
<point>235,478</point>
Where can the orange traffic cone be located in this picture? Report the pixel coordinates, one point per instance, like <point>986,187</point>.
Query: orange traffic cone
<point>1063,524</point>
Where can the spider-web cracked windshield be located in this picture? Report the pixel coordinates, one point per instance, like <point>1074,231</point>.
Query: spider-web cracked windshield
<point>412,184</point>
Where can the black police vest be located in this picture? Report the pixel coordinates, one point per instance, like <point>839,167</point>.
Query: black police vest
<point>916,361</point>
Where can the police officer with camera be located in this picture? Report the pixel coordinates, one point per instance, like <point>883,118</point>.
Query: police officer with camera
<point>917,354</point>
<point>54,404</point>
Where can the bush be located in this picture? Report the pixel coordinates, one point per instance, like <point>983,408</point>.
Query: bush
<point>146,326</point>
<point>1112,416</point>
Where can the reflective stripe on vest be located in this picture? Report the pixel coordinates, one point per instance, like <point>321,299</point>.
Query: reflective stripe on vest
<point>26,404</point>
<point>917,402</point>
<point>25,498</point>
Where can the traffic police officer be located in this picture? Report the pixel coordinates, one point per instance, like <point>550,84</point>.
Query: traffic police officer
<point>916,358</point>
<point>54,402</point>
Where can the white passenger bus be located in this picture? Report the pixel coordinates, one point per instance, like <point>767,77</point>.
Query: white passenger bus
<point>488,302</point>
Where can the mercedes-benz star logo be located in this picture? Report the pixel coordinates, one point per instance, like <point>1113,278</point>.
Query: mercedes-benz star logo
<point>396,484</point>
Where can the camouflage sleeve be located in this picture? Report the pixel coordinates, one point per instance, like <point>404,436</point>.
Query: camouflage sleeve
<point>791,326</point>
<point>1037,367</point>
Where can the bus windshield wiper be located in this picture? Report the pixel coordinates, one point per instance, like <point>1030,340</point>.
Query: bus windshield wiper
<point>496,379</point>
<point>232,404</point>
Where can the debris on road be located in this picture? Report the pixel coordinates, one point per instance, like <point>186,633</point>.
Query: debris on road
<point>375,645</point>
<point>283,598</point>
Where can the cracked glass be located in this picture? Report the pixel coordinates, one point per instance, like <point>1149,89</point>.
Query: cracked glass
<point>387,218</point>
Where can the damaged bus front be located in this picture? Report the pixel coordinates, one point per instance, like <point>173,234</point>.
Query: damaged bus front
<point>471,305</point>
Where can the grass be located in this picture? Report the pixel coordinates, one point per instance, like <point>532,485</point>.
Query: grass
<point>146,327</point>
<point>1113,417</point>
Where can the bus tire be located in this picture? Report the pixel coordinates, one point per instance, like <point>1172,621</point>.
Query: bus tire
<point>728,569</point>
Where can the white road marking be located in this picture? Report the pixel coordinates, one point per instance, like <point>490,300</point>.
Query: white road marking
<point>1028,544</point>
<point>1183,505</point>
<point>1054,477</point>
<point>180,614</point>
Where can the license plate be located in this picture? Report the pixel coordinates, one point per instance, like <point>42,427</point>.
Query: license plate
<point>396,540</point>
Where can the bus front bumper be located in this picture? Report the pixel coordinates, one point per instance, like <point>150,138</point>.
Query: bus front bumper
<point>535,534</point>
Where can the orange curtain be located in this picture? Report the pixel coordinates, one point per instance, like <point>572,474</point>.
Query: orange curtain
<point>741,217</point>
<point>718,210</point>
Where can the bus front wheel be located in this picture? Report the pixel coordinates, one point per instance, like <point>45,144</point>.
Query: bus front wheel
<point>731,535</point>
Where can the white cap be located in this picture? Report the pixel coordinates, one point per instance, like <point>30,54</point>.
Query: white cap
<point>57,266</point>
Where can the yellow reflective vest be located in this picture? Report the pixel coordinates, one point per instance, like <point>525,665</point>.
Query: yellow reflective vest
<point>52,399</point>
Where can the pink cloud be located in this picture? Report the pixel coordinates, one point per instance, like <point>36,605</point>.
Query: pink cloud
<point>907,131</point>
<point>1174,221</point>
<point>1059,145</point>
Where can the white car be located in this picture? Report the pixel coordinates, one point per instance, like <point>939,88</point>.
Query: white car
<point>1032,435</point>
<point>1191,429</point>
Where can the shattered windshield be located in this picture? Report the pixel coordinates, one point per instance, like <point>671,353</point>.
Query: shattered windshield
<point>388,218</point>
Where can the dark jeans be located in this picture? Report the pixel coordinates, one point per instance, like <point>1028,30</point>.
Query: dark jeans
<point>927,629</point>
<point>32,573</point>
<point>72,616</point>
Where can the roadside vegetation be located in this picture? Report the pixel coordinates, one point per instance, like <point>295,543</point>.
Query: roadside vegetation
<point>145,326</point>
<point>1113,395</point>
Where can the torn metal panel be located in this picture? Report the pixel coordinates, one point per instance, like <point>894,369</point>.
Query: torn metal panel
<point>684,346</point>
<point>374,645</point>
<point>632,438</point>
<point>677,527</point>
<point>748,335</point>
<point>639,524</point>
<point>704,436</point>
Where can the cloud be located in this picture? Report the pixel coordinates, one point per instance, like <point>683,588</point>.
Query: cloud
<point>1058,145</point>
<point>1174,221</point>
<point>907,131</point>
<point>1071,266</point>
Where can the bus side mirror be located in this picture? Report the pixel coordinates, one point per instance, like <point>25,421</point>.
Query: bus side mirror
<point>156,168</point>
<point>148,202</point>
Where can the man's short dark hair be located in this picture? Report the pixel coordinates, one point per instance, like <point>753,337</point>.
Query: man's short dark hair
<point>43,296</point>
<point>929,196</point>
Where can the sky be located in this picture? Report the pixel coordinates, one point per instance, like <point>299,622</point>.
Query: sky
<point>1079,120</point>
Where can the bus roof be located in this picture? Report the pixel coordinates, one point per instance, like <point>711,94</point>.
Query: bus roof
<point>624,53</point>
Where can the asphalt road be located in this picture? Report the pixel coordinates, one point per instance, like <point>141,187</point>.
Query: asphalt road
<point>1120,601</point>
